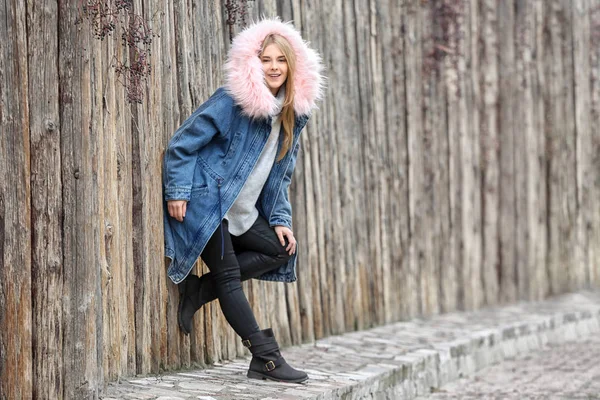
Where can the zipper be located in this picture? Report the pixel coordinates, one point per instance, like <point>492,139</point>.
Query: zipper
<point>220,181</point>
<point>219,184</point>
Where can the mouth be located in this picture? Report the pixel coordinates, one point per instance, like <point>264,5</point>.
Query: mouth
<point>274,76</point>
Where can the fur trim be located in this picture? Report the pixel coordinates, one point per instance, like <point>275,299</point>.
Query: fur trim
<point>244,77</point>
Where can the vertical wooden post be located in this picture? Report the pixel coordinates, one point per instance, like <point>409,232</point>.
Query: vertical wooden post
<point>16,357</point>
<point>81,177</point>
<point>46,200</point>
<point>584,156</point>
<point>490,145</point>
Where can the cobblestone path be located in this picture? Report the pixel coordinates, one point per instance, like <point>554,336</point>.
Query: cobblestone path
<point>559,371</point>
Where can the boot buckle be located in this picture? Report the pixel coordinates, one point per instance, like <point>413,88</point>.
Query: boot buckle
<point>270,366</point>
<point>246,343</point>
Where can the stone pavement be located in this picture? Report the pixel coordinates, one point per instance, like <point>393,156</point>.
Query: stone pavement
<point>563,371</point>
<point>398,361</point>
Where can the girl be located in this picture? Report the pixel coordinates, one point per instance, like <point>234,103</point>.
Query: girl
<point>227,171</point>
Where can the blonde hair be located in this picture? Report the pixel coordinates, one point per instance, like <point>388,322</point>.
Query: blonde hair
<point>287,111</point>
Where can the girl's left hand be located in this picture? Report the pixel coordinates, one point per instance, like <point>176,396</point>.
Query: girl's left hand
<point>282,231</point>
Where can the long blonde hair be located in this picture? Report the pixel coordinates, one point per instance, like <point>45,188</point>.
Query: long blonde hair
<point>287,111</point>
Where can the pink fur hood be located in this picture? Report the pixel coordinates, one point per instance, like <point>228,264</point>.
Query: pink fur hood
<point>244,77</point>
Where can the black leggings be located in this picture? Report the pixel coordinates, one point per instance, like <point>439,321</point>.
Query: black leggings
<point>249,255</point>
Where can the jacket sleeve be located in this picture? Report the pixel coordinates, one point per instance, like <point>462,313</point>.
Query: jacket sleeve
<point>282,210</point>
<point>197,131</point>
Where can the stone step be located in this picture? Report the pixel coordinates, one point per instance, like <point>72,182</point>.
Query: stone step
<point>397,361</point>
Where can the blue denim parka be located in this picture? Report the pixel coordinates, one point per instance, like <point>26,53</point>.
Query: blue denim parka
<point>210,156</point>
<point>207,162</point>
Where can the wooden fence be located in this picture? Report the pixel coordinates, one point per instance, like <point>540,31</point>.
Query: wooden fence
<point>454,163</point>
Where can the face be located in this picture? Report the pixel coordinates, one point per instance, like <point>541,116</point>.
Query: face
<point>274,66</point>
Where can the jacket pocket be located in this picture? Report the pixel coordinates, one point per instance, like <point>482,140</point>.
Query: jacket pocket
<point>208,170</point>
<point>232,148</point>
<point>198,191</point>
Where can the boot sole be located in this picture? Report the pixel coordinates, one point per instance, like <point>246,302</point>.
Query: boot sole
<point>258,375</point>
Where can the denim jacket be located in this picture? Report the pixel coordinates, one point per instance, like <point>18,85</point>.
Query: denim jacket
<point>213,152</point>
<point>207,161</point>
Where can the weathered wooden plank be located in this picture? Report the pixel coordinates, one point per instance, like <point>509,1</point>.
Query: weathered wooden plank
<point>46,200</point>
<point>506,131</point>
<point>456,132</point>
<point>334,287</point>
<point>538,202</point>
<point>326,199</point>
<point>373,123</point>
<point>368,74</point>
<point>81,152</point>
<point>560,147</point>
<point>525,150</point>
<point>441,279</point>
<point>435,51</point>
<point>490,145</point>
<point>332,178</point>
<point>114,294</point>
<point>412,53</point>
<point>423,159</point>
<point>161,81</point>
<point>267,8</point>
<point>594,246</point>
<point>386,32</point>
<point>390,31</point>
<point>122,232</point>
<point>16,355</point>
<point>178,96</point>
<point>583,136</point>
<point>468,66</point>
<point>305,228</point>
<point>142,277</point>
<point>351,170</point>
<point>147,205</point>
<point>101,232</point>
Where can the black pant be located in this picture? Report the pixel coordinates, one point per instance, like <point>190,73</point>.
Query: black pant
<point>249,255</point>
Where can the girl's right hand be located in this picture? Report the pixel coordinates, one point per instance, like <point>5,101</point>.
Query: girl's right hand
<point>177,209</point>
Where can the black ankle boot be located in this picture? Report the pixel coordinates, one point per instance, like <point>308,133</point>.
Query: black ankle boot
<point>267,362</point>
<point>192,297</point>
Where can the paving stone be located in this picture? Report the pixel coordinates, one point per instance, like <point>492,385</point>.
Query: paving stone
<point>569,370</point>
<point>410,359</point>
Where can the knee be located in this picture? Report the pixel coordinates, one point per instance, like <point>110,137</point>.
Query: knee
<point>282,254</point>
<point>227,275</point>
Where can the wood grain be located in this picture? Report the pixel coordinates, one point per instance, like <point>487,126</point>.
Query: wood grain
<point>16,245</point>
<point>46,201</point>
<point>453,164</point>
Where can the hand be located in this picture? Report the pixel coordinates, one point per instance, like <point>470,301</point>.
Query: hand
<point>282,231</point>
<point>177,209</point>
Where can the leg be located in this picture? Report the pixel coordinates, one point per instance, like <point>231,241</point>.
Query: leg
<point>226,278</point>
<point>259,251</point>
<point>267,362</point>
